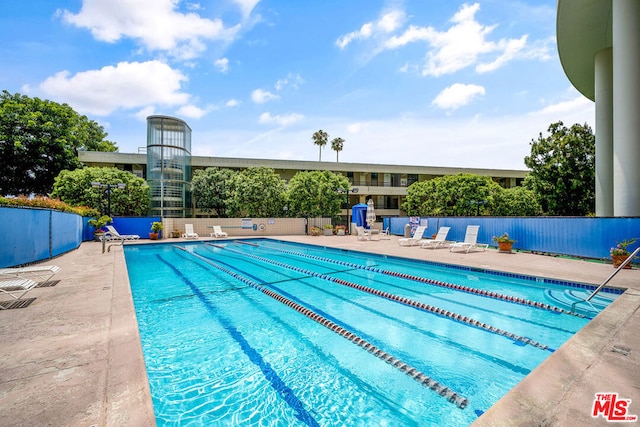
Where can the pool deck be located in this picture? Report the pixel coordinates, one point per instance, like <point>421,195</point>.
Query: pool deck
<point>73,356</point>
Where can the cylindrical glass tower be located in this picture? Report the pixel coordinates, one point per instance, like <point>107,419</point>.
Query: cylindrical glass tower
<point>169,166</point>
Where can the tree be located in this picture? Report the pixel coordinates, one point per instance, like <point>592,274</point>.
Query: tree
<point>563,170</point>
<point>256,192</point>
<point>74,187</point>
<point>91,136</point>
<point>336,145</point>
<point>516,201</point>
<point>210,188</point>
<point>320,139</point>
<point>315,194</point>
<point>38,140</point>
<point>452,195</point>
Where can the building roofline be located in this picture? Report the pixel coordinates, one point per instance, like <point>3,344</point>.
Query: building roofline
<point>583,27</point>
<point>230,162</point>
<point>169,118</point>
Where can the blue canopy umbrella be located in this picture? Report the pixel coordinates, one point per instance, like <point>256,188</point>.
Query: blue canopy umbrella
<point>359,214</point>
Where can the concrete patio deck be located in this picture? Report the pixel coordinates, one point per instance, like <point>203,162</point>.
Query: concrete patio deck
<point>73,356</point>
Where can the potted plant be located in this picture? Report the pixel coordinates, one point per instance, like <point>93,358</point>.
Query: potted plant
<point>341,230</point>
<point>505,243</point>
<point>620,252</point>
<point>175,233</point>
<point>315,231</point>
<point>156,227</point>
<point>97,223</point>
<point>328,229</point>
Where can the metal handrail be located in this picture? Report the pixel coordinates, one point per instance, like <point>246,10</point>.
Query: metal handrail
<point>611,276</point>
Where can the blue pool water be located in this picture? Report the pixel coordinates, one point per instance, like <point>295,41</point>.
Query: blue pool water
<point>269,333</point>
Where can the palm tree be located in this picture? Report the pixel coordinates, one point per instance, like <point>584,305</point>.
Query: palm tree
<point>336,145</point>
<point>320,139</point>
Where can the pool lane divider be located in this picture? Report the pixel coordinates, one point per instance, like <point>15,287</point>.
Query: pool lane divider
<point>462,288</point>
<point>246,243</point>
<point>418,376</point>
<point>402,300</point>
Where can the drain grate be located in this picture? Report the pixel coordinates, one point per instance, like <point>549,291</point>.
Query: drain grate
<point>625,351</point>
<point>23,303</point>
<point>47,284</point>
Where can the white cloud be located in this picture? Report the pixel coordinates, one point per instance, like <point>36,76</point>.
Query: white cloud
<point>127,85</point>
<point>356,127</point>
<point>191,111</point>
<point>232,103</point>
<point>222,64</point>
<point>246,6</point>
<point>387,23</point>
<point>145,112</point>
<point>363,33</point>
<point>499,141</point>
<point>466,43</point>
<point>457,95</point>
<point>156,24</point>
<point>390,21</point>
<point>563,108</point>
<point>260,96</point>
<point>292,79</point>
<point>510,50</point>
<point>410,35</point>
<point>284,120</point>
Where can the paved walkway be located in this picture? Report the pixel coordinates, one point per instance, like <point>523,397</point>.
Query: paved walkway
<point>73,357</point>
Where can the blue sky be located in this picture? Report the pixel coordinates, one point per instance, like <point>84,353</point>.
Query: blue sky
<point>415,82</point>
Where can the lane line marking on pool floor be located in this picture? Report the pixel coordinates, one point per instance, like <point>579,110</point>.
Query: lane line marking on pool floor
<point>277,383</point>
<point>402,300</point>
<point>420,377</point>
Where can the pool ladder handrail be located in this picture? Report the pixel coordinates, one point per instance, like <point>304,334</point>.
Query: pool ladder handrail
<point>611,276</point>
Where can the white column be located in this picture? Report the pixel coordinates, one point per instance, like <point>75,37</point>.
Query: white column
<point>604,132</point>
<point>626,107</point>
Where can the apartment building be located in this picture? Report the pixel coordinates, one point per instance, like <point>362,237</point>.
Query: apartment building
<point>385,184</point>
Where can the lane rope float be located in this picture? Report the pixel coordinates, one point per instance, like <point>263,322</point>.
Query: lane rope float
<point>461,288</point>
<point>402,300</point>
<point>413,373</point>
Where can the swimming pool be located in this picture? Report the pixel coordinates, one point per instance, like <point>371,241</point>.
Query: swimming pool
<point>272,333</point>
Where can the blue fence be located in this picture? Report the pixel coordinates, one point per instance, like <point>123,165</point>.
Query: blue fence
<point>585,237</point>
<point>35,234</point>
<point>31,235</point>
<point>125,225</point>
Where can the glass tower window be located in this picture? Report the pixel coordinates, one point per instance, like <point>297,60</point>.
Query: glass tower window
<point>169,166</point>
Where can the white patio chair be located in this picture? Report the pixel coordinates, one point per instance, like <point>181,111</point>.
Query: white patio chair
<point>470,240</point>
<point>189,233</point>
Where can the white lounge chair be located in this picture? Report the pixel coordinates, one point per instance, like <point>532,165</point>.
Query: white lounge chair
<point>362,233</point>
<point>384,234</point>
<point>189,233</point>
<point>16,288</point>
<point>439,241</point>
<point>112,234</point>
<point>412,241</point>
<point>470,240</point>
<point>217,232</point>
<point>43,273</point>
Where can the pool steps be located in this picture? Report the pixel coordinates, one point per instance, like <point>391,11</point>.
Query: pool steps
<point>412,372</point>
<point>403,300</point>
<point>462,288</point>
